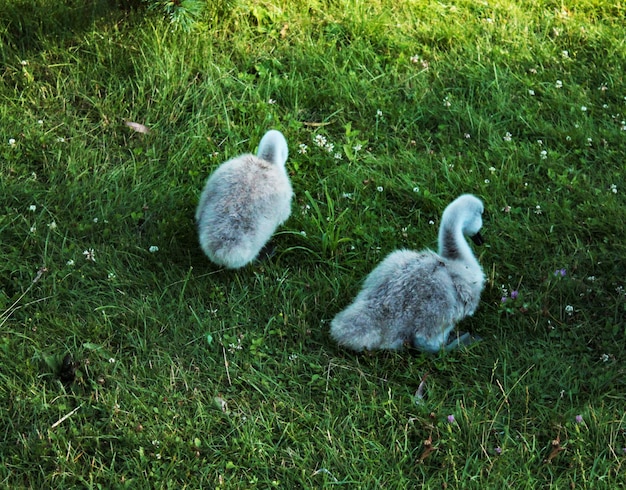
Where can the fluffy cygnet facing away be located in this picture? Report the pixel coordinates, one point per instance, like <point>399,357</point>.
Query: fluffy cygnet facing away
<point>418,297</point>
<point>243,202</point>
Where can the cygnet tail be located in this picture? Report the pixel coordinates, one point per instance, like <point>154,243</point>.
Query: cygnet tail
<point>273,148</point>
<point>355,331</point>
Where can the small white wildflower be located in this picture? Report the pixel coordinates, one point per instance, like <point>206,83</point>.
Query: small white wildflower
<point>415,59</point>
<point>40,122</point>
<point>568,138</point>
<point>60,139</point>
<point>357,147</point>
<point>303,233</point>
<point>543,154</point>
<point>507,136</point>
<point>603,88</point>
<point>52,225</point>
<point>95,220</point>
<point>467,136</point>
<point>565,53</point>
<point>531,92</point>
<point>347,195</point>
<point>111,360</point>
<point>569,309</point>
<point>90,255</point>
<point>589,141</point>
<point>506,209</point>
<point>11,141</point>
<point>416,189</point>
<point>153,249</point>
<point>605,358</point>
<point>446,102</point>
<point>320,140</point>
<point>302,148</point>
<point>379,113</point>
<point>330,147</point>
<point>613,188</point>
<point>379,188</point>
<point>487,181</point>
<point>583,108</point>
<point>431,222</point>
<point>32,208</point>
<point>533,71</point>
<point>540,142</point>
<point>271,101</point>
<point>605,106</point>
<point>70,262</point>
<point>538,209</point>
<point>492,169</point>
<point>337,156</point>
<point>111,275</point>
<point>24,62</point>
<point>33,229</point>
<point>293,357</point>
<point>558,84</point>
<point>591,278</point>
<point>489,20</point>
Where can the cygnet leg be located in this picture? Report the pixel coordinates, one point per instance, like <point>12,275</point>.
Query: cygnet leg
<point>462,340</point>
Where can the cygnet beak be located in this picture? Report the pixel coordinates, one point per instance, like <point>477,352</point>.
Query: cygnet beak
<point>477,239</point>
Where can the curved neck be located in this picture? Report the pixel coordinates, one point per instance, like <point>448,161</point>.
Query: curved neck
<point>453,245</point>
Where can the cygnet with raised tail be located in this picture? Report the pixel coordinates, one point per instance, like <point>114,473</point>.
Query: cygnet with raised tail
<point>243,202</point>
<point>417,298</point>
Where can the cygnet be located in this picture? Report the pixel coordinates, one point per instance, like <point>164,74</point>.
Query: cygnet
<point>243,202</point>
<point>417,298</point>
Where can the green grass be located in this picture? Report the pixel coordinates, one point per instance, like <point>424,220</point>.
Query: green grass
<point>194,377</point>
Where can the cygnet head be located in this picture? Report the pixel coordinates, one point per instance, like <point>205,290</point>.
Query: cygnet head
<point>465,211</point>
<point>273,148</point>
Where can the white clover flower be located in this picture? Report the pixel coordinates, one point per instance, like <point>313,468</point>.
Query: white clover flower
<point>303,233</point>
<point>52,225</point>
<point>111,360</point>
<point>531,92</point>
<point>320,140</point>
<point>558,84</point>
<point>569,309</point>
<point>416,189</point>
<point>492,169</point>
<point>60,139</point>
<point>487,181</point>
<point>379,113</point>
<point>431,222</point>
<point>538,209</point>
<point>271,101</point>
<point>330,147</point>
<point>605,358</point>
<point>507,136</point>
<point>40,122</point>
<point>583,108</point>
<point>24,62</point>
<point>111,275</point>
<point>11,141</point>
<point>32,208</point>
<point>467,136</point>
<point>415,59</point>
<point>302,148</point>
<point>613,188</point>
<point>153,249</point>
<point>338,156</point>
<point>90,255</point>
<point>357,147</point>
<point>565,53</point>
<point>33,229</point>
<point>446,102</point>
<point>543,154</point>
<point>540,142</point>
<point>379,188</point>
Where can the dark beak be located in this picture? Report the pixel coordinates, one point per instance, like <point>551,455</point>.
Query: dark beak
<point>477,239</point>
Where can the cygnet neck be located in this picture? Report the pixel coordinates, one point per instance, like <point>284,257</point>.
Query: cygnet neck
<point>452,242</point>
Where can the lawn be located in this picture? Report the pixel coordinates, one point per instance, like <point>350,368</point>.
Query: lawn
<point>129,360</point>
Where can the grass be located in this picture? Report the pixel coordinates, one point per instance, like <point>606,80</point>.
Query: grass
<point>188,376</point>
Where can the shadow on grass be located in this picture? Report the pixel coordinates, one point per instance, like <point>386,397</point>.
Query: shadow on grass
<point>27,25</point>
